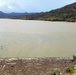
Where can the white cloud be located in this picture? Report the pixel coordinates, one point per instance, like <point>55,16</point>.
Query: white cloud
<point>31,5</point>
<point>10,7</point>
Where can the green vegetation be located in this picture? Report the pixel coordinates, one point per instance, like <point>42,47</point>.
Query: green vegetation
<point>54,73</point>
<point>74,58</point>
<point>70,69</point>
<point>66,13</point>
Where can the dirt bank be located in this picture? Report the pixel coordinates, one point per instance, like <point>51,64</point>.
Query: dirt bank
<point>33,66</point>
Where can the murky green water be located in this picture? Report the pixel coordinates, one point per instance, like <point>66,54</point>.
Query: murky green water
<point>20,38</point>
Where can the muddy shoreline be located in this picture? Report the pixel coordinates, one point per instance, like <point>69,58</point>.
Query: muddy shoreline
<point>33,66</point>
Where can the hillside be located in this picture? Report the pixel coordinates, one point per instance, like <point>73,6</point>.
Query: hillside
<point>66,13</point>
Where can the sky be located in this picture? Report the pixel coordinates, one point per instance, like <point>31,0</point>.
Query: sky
<point>32,5</point>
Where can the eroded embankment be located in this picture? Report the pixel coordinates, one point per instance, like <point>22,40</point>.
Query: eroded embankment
<point>33,66</point>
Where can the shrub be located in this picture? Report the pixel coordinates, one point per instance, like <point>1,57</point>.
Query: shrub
<point>74,57</point>
<point>70,69</point>
<point>54,73</point>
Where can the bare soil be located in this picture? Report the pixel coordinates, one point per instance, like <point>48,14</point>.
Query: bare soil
<point>33,66</point>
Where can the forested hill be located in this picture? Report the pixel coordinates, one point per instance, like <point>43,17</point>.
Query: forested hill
<point>66,13</point>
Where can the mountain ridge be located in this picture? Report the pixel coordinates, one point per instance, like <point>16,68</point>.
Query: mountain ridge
<point>66,13</point>
<point>13,14</point>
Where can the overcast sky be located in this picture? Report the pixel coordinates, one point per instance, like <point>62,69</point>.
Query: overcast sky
<point>32,5</point>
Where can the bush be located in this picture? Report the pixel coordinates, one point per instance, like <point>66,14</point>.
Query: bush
<point>54,73</point>
<point>70,69</point>
<point>74,57</point>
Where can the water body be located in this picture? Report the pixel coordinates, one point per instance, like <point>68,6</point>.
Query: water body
<point>29,38</point>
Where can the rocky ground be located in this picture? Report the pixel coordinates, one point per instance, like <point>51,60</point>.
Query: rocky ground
<point>33,66</point>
